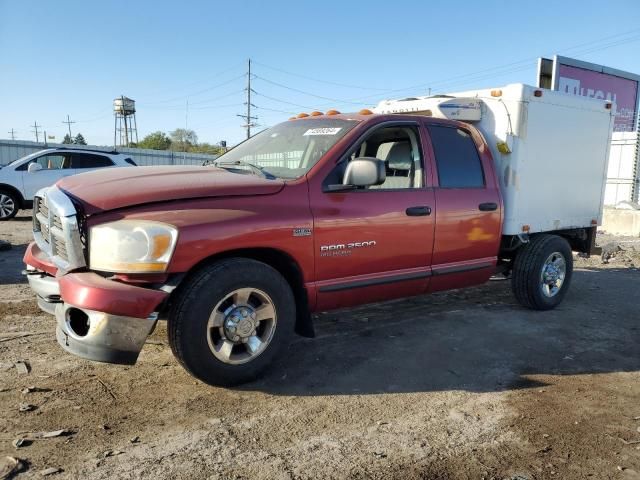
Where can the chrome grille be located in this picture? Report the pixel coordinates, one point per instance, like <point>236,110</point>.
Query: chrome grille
<point>43,209</point>
<point>59,248</point>
<point>55,229</point>
<point>57,221</point>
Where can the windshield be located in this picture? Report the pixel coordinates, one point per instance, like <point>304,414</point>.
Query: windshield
<point>289,149</point>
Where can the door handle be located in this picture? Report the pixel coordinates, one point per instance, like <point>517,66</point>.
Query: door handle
<point>418,211</point>
<point>488,207</point>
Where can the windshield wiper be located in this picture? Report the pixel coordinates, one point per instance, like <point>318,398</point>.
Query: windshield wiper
<point>241,163</point>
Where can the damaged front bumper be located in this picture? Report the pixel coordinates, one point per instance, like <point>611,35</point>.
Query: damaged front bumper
<point>101,336</point>
<point>97,318</point>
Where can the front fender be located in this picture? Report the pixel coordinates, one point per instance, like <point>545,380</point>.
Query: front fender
<point>212,226</point>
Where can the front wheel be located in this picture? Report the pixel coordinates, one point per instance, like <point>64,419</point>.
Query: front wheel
<point>542,272</point>
<point>8,205</point>
<point>230,320</point>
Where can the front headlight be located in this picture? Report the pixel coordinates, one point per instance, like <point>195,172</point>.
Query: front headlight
<point>131,246</point>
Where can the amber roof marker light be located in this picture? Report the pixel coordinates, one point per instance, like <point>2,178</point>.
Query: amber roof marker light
<point>332,112</point>
<point>365,111</point>
<point>316,114</point>
<point>302,115</point>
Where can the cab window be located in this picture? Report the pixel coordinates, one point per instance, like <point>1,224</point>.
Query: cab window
<point>399,148</point>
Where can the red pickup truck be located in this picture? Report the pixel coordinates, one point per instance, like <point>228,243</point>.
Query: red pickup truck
<point>317,213</point>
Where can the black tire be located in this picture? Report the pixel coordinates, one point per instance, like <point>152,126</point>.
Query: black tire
<point>527,271</point>
<point>9,200</point>
<point>189,316</point>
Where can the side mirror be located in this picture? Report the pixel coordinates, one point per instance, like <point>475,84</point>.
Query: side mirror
<point>364,172</point>
<point>361,172</point>
<point>34,167</point>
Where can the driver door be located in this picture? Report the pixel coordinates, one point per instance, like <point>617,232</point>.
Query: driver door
<point>375,243</point>
<point>54,167</point>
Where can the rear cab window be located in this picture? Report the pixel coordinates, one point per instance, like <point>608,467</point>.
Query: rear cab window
<point>457,158</point>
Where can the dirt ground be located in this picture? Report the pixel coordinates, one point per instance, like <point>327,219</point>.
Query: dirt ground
<point>463,384</point>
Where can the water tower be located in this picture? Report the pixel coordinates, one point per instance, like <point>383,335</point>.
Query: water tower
<point>126,128</point>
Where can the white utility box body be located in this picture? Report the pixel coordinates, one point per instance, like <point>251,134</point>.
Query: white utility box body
<point>550,150</point>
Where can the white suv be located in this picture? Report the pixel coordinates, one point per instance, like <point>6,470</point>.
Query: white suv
<point>21,179</point>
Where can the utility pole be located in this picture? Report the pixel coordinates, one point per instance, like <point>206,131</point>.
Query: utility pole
<point>186,128</point>
<point>248,103</point>
<point>13,134</point>
<point>68,122</point>
<point>186,116</point>
<point>35,130</point>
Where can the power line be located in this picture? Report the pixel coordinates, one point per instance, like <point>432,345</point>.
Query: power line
<point>276,110</point>
<point>235,92</point>
<point>513,64</point>
<point>207,107</point>
<point>193,94</point>
<point>279,100</point>
<point>98,117</point>
<point>35,130</point>
<point>359,87</point>
<point>303,92</point>
<point>628,32</point>
<point>68,122</point>
<point>516,69</point>
<point>466,78</point>
<point>202,80</point>
<point>12,132</point>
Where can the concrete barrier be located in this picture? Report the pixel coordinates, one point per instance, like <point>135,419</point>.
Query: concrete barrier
<point>621,222</point>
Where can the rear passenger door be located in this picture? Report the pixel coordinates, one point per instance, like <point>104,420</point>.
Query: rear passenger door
<point>85,162</point>
<point>468,214</point>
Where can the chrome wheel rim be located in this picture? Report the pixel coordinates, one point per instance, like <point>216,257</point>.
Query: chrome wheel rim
<point>7,205</point>
<point>554,271</point>
<point>241,326</point>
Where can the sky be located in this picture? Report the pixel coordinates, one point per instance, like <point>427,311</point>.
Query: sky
<point>73,57</point>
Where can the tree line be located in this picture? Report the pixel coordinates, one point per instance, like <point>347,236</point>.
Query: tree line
<point>180,140</point>
<point>77,140</point>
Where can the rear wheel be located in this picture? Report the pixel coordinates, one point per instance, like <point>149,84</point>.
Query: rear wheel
<point>8,205</point>
<point>231,320</point>
<point>542,272</point>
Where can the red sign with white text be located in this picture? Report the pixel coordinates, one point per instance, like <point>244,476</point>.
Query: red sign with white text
<point>622,91</point>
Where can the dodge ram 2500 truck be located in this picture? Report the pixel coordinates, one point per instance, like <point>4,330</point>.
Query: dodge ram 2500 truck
<point>321,212</point>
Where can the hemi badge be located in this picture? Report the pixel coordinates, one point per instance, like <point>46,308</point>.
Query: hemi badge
<point>301,232</point>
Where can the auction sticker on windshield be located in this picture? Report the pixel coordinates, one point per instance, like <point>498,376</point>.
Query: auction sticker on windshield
<point>322,131</point>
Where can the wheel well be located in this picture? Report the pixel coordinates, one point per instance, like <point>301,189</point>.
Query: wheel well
<point>13,190</point>
<point>580,239</point>
<point>286,266</point>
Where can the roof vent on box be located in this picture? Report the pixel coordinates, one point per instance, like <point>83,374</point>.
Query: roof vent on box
<point>439,106</point>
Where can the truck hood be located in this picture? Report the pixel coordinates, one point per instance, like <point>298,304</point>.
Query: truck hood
<point>113,188</point>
